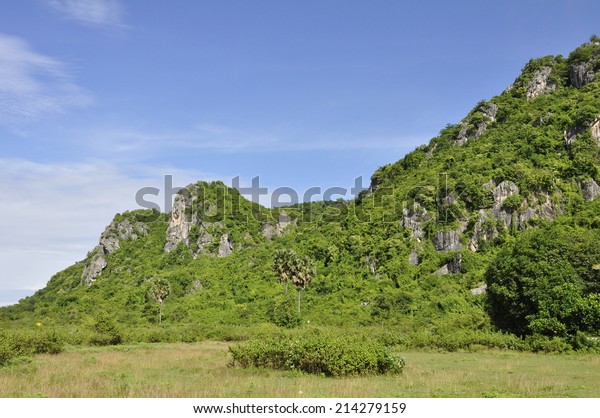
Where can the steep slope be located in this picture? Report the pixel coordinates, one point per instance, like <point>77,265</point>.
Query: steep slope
<point>410,251</point>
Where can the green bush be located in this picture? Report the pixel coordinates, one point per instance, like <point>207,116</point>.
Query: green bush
<point>283,312</point>
<point>26,343</point>
<point>105,332</point>
<point>329,356</point>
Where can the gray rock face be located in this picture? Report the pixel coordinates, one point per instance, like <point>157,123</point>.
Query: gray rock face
<point>570,135</point>
<point>110,241</point>
<point>204,239</point>
<point>180,223</point>
<point>225,247</point>
<point>447,241</point>
<point>284,221</point>
<point>479,290</point>
<point>453,267</point>
<point>539,83</point>
<point>540,206</point>
<point>94,268</point>
<point>467,131</point>
<point>581,74</point>
<point>489,110</point>
<point>117,231</point>
<point>415,221</point>
<point>482,231</point>
<point>590,190</point>
<point>413,258</point>
<point>430,151</point>
<point>595,129</point>
<point>500,193</point>
<point>195,287</point>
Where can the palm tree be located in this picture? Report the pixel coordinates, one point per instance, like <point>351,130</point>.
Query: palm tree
<point>160,290</point>
<point>283,264</point>
<point>304,272</point>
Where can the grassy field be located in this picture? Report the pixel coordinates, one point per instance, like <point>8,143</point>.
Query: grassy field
<point>202,370</point>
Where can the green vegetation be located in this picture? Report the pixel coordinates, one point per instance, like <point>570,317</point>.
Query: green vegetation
<point>160,289</point>
<point>545,283</point>
<point>23,343</point>
<point>317,355</point>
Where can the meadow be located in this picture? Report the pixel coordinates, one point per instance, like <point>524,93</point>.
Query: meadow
<point>203,369</point>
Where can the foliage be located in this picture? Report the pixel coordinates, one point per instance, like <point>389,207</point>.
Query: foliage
<point>317,355</point>
<point>26,343</point>
<point>105,331</point>
<point>160,289</point>
<point>546,284</point>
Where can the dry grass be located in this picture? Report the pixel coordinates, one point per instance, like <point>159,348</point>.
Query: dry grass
<point>201,370</point>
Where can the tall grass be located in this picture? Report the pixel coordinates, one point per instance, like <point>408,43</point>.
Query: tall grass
<point>202,370</point>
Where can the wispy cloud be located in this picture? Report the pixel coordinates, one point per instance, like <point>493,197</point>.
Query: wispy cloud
<point>33,84</point>
<point>56,212</point>
<point>221,139</point>
<point>91,12</point>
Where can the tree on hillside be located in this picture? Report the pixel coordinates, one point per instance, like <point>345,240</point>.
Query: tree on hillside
<point>547,283</point>
<point>160,289</point>
<point>304,272</point>
<point>290,266</point>
<point>283,264</point>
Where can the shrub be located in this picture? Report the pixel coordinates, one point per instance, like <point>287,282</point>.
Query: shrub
<point>284,313</point>
<point>105,332</point>
<point>333,356</point>
<point>27,343</point>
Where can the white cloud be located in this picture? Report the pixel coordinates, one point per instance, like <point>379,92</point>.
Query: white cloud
<point>32,84</point>
<point>222,139</point>
<point>52,214</point>
<point>91,12</point>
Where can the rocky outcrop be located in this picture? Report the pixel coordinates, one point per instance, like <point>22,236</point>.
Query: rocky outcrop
<point>570,135</point>
<point>225,246</point>
<point>537,206</point>
<point>195,287</point>
<point>595,129</point>
<point>581,74</point>
<point>447,241</point>
<point>110,241</point>
<point>117,231</point>
<point>283,222</point>
<point>590,189</point>
<point>430,151</point>
<point>415,220</point>
<point>500,193</point>
<point>479,290</point>
<point>482,230</point>
<point>94,267</point>
<point>453,267</point>
<point>469,130</point>
<point>180,223</point>
<point>489,110</point>
<point>413,258</point>
<point>204,239</point>
<point>540,84</point>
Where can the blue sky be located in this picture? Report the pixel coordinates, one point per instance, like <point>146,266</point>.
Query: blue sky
<point>99,98</point>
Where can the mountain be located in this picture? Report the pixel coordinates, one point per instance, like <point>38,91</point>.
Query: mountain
<point>412,251</point>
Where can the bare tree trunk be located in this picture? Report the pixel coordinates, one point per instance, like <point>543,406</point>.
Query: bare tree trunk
<point>160,312</point>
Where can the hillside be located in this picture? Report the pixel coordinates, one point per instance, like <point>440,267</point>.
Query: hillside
<point>411,252</point>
